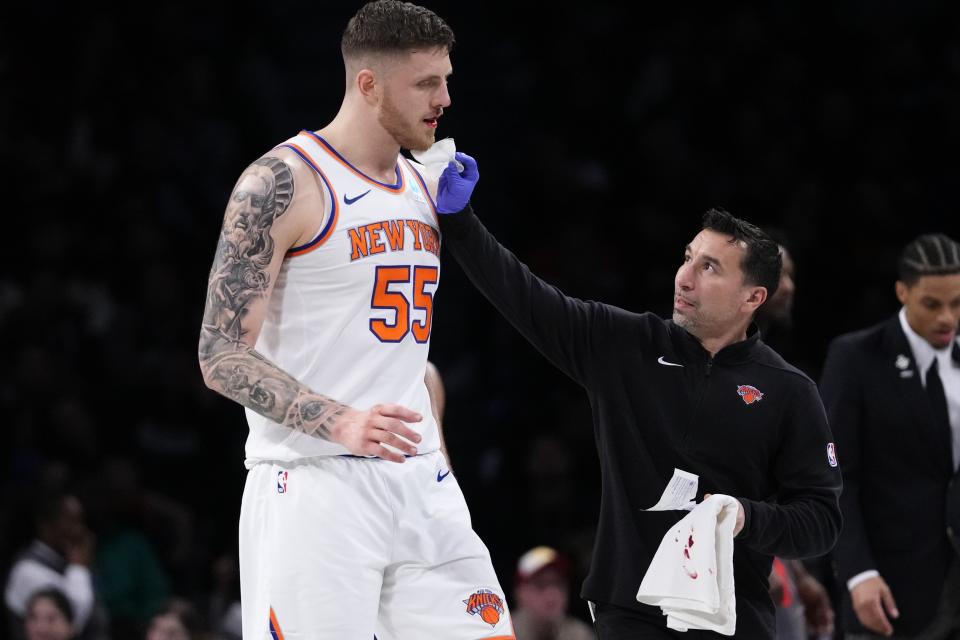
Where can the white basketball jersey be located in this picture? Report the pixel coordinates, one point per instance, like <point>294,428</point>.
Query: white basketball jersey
<point>351,312</point>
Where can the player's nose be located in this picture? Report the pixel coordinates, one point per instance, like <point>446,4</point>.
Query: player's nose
<point>442,99</point>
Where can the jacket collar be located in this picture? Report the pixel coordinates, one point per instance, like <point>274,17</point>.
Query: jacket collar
<point>737,352</point>
<point>895,341</point>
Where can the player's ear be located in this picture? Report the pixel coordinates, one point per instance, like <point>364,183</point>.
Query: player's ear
<point>368,86</point>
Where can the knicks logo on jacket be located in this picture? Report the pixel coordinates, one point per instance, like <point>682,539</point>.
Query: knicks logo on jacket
<point>750,394</point>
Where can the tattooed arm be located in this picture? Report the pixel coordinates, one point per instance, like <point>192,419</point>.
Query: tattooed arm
<point>266,216</point>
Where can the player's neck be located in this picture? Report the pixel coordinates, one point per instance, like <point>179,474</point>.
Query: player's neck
<point>364,144</point>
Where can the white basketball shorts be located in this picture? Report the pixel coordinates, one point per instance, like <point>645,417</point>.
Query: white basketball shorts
<point>347,548</point>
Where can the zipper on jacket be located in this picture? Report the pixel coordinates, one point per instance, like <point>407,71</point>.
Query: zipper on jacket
<point>700,397</point>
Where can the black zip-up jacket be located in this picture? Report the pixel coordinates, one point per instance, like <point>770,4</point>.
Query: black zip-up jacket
<point>706,416</point>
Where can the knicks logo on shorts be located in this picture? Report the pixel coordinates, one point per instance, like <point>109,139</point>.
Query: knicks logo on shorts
<point>488,604</point>
<point>749,394</point>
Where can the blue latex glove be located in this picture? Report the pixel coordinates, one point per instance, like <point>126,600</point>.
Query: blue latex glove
<point>454,188</point>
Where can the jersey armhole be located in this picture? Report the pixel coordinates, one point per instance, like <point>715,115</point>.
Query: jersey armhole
<point>329,222</point>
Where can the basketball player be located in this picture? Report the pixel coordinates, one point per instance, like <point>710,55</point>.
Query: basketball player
<point>318,321</point>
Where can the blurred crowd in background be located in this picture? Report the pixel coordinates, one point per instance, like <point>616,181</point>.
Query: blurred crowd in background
<point>602,134</point>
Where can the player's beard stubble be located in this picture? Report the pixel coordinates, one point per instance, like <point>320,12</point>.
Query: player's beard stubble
<point>413,135</point>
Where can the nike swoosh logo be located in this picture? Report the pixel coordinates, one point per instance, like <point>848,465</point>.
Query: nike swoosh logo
<point>441,475</point>
<point>348,200</point>
<point>660,360</point>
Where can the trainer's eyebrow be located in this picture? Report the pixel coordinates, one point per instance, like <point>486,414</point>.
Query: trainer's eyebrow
<point>714,261</point>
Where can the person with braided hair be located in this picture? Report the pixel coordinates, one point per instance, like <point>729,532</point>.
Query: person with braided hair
<point>892,394</point>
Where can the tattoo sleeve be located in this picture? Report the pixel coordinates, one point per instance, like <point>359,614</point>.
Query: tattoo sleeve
<point>240,278</point>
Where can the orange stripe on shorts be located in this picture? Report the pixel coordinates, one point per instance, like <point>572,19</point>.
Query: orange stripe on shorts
<point>275,626</point>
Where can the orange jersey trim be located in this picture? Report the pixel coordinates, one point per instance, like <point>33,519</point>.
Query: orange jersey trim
<point>327,230</point>
<point>395,189</point>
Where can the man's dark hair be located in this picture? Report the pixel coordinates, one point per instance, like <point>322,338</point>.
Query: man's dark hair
<point>778,235</point>
<point>933,254</point>
<point>762,262</point>
<point>388,26</point>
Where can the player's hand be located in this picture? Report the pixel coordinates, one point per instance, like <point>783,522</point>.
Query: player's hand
<point>364,433</point>
<point>455,187</point>
<point>741,518</point>
<point>873,602</point>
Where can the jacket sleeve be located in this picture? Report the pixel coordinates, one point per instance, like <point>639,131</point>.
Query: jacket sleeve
<point>560,327</point>
<point>804,519</point>
<point>843,397</point>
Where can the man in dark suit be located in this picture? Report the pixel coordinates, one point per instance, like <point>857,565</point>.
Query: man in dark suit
<point>892,394</point>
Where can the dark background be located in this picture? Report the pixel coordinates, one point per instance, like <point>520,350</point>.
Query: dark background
<point>602,134</point>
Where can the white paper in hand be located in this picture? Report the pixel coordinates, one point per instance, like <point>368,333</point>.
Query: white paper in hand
<point>680,493</point>
<point>437,157</point>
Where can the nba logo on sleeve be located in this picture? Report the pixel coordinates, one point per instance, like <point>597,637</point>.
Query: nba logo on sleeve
<point>282,481</point>
<point>831,454</point>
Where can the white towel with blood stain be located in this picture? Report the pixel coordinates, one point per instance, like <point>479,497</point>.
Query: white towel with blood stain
<point>691,575</point>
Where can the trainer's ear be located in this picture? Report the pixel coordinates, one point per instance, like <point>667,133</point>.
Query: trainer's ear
<point>756,296</point>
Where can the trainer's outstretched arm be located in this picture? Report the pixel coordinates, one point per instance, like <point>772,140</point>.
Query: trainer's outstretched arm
<point>260,224</point>
<point>564,329</point>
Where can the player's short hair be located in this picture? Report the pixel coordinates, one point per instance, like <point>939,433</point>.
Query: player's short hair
<point>933,254</point>
<point>762,262</point>
<point>389,26</point>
